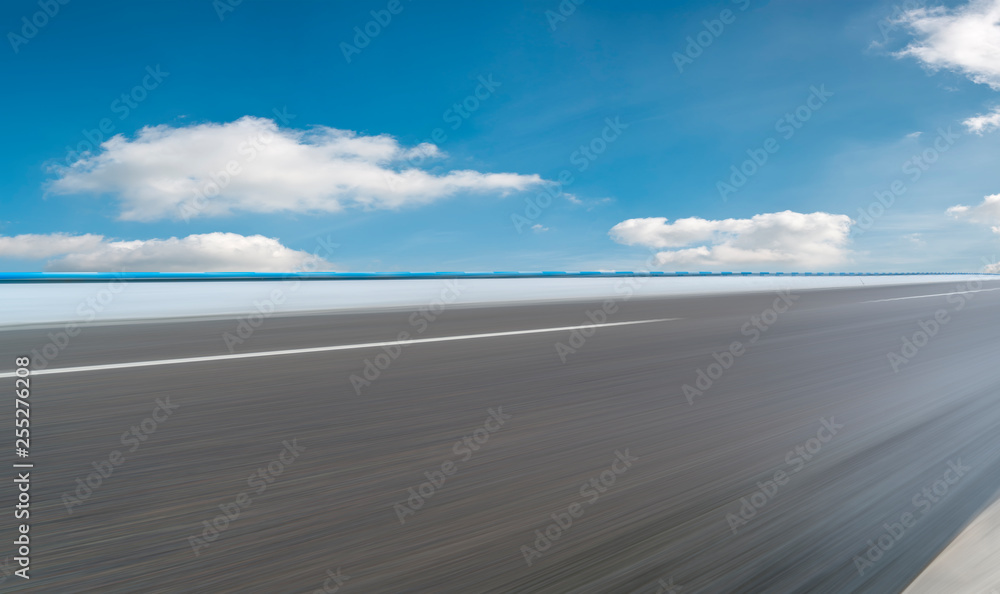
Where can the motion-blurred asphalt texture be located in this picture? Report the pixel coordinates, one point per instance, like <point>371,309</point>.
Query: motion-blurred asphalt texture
<point>664,520</point>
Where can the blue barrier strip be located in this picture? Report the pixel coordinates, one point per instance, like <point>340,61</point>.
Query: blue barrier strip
<point>41,277</point>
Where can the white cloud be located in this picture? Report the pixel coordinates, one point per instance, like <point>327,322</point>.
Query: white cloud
<point>780,239</point>
<point>538,228</point>
<point>210,252</point>
<point>913,135</point>
<point>984,123</point>
<point>993,268</point>
<point>167,172</point>
<point>36,247</point>
<point>964,39</point>
<point>987,212</point>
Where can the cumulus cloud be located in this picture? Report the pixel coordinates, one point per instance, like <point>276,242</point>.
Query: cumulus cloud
<point>780,239</point>
<point>984,123</point>
<point>251,165</point>
<point>36,247</point>
<point>210,252</point>
<point>964,39</point>
<point>987,212</point>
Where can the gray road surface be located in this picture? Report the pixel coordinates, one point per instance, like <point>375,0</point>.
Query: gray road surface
<point>667,517</point>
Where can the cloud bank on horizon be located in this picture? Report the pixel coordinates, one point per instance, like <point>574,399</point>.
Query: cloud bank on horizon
<point>783,239</point>
<point>209,252</point>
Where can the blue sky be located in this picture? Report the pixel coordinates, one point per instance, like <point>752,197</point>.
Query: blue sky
<point>340,160</point>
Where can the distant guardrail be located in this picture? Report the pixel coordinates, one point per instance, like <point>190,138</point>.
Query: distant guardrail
<point>41,277</point>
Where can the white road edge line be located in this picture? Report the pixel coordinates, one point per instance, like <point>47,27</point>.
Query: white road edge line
<point>339,347</point>
<point>934,295</point>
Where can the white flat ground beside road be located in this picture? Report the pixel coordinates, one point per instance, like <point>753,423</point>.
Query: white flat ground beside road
<point>971,563</point>
<point>88,302</point>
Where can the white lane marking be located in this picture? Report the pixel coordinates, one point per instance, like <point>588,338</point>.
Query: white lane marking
<point>339,347</point>
<point>934,295</point>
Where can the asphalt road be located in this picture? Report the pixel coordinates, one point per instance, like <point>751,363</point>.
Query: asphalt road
<point>316,477</point>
